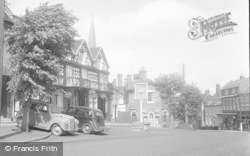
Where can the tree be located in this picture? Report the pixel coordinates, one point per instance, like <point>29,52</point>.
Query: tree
<point>183,99</point>
<point>37,42</point>
<point>189,104</point>
<point>170,87</point>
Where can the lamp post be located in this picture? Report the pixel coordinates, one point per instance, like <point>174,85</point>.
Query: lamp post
<point>240,106</point>
<point>2,6</point>
<point>202,114</point>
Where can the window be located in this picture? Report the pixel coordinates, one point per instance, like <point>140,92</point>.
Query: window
<point>157,119</point>
<point>226,92</point>
<point>151,118</point>
<point>230,104</point>
<point>226,105</point>
<point>72,75</point>
<point>233,91</point>
<point>223,92</point>
<point>84,73</point>
<point>233,103</point>
<point>242,98</point>
<point>150,97</point>
<point>145,119</point>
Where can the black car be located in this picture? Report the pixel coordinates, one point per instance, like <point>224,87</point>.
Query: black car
<point>90,119</point>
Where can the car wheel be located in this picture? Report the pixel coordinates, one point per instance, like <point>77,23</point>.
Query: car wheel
<point>19,121</point>
<point>87,128</point>
<point>56,130</point>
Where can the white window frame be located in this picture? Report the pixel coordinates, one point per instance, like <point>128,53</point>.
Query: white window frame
<point>150,91</point>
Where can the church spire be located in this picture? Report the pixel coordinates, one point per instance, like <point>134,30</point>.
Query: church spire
<point>91,40</point>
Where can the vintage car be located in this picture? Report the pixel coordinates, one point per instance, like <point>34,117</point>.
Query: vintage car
<point>49,117</point>
<point>91,120</point>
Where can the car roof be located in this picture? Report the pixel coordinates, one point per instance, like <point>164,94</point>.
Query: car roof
<point>84,107</point>
<point>40,102</point>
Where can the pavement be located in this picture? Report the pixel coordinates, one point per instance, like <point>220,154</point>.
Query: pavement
<point>9,132</point>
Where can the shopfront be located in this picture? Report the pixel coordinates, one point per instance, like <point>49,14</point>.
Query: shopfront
<point>231,121</point>
<point>228,121</point>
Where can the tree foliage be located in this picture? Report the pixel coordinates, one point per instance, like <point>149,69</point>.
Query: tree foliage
<point>170,87</point>
<point>37,41</point>
<point>184,100</point>
<point>189,104</point>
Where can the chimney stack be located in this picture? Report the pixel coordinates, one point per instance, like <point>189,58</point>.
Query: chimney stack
<point>143,74</point>
<point>242,77</point>
<point>114,82</point>
<point>217,89</point>
<point>120,80</point>
<point>207,92</point>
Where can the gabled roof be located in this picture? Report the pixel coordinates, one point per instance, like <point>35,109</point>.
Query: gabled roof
<point>95,51</point>
<point>243,85</point>
<point>77,46</point>
<point>8,15</point>
<point>231,84</point>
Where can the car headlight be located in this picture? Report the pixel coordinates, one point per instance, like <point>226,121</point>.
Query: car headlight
<point>77,122</point>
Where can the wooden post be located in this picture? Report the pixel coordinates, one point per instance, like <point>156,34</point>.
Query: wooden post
<point>2,8</point>
<point>141,103</point>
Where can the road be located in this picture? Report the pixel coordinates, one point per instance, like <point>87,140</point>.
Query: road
<point>122,141</point>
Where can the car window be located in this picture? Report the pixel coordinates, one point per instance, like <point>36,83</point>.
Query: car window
<point>45,108</point>
<point>55,109</point>
<point>71,110</point>
<point>84,112</point>
<point>100,114</point>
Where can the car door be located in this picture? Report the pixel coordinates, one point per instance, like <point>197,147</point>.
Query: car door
<point>79,115</point>
<point>44,116</point>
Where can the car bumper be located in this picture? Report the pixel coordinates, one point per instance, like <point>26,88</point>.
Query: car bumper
<point>101,129</point>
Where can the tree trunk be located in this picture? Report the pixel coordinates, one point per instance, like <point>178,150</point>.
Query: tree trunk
<point>26,116</point>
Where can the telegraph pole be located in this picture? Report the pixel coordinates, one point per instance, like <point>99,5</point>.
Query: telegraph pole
<point>2,8</point>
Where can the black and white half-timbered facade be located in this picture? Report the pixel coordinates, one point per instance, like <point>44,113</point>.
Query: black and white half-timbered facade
<point>84,76</point>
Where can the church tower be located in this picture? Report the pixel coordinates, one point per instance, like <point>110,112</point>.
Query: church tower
<point>92,40</point>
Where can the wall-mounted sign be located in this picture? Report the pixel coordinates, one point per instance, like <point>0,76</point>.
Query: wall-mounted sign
<point>141,91</point>
<point>68,94</point>
<point>92,93</point>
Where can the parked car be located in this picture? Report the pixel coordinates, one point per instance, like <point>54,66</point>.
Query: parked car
<point>49,117</point>
<point>90,119</point>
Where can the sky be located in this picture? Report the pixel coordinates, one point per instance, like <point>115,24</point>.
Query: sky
<point>154,34</point>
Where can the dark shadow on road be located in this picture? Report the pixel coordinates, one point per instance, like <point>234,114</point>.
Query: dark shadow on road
<point>16,131</point>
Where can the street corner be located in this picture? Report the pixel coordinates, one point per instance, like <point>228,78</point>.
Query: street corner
<point>8,131</point>
<point>14,134</point>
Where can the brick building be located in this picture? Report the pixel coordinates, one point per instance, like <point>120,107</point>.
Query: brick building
<point>212,107</point>
<point>235,104</point>
<point>153,109</point>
